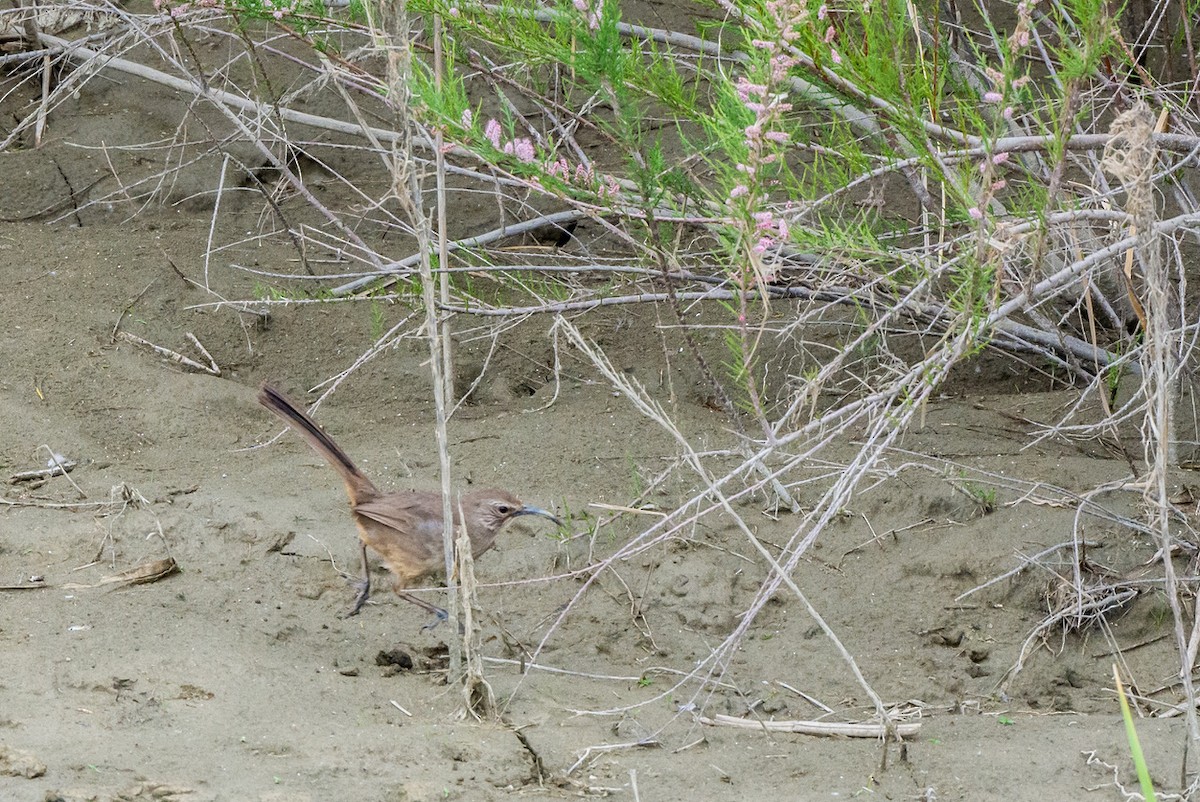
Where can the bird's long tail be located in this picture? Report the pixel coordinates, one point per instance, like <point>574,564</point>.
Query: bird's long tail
<point>356,482</point>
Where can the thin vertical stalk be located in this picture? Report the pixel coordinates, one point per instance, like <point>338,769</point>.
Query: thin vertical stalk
<point>1131,158</point>
<point>406,185</point>
<point>443,241</point>
<point>441,364</point>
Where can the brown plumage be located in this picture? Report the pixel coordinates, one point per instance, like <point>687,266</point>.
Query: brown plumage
<point>404,527</point>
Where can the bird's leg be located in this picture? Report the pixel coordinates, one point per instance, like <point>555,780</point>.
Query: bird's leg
<point>440,614</point>
<point>363,585</point>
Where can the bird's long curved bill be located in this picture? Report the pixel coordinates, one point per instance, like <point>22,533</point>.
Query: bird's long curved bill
<point>528,510</point>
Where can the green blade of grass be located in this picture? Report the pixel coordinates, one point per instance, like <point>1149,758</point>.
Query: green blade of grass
<point>1135,746</point>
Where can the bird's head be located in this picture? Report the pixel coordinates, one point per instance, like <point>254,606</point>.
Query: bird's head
<point>492,509</point>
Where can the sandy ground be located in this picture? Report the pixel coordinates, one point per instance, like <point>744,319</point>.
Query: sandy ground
<point>236,678</point>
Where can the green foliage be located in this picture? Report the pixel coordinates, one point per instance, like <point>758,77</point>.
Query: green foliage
<point>1079,56</point>
<point>378,319</point>
<point>602,58</point>
<point>310,292</point>
<point>771,146</point>
<point>442,105</point>
<point>1135,746</point>
<point>984,497</point>
<point>303,16</point>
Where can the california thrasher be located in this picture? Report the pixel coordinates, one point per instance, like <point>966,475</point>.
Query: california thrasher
<point>402,527</point>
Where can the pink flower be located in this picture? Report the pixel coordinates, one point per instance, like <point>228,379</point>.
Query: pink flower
<point>739,191</point>
<point>833,55</point>
<point>466,118</point>
<point>823,11</point>
<point>745,89</point>
<point>992,97</point>
<point>1008,112</point>
<point>1000,158</point>
<point>830,33</point>
<point>523,150</point>
<point>780,66</point>
<point>778,137</point>
<point>492,132</point>
<point>999,185</point>
<point>975,213</point>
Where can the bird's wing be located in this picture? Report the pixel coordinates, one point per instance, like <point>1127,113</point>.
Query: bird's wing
<point>404,531</point>
<point>404,512</point>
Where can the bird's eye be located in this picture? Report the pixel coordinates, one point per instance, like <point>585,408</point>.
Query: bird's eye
<point>503,509</point>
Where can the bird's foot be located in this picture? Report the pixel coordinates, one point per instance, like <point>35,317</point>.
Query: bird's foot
<point>360,598</point>
<point>439,615</point>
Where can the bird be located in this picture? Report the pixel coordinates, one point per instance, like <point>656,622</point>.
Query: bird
<point>403,527</point>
